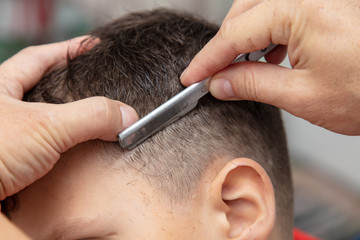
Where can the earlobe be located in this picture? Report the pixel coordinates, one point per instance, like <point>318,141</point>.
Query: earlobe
<point>246,194</point>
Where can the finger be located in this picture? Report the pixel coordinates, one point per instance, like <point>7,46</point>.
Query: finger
<point>251,31</point>
<point>240,6</point>
<point>277,55</point>
<point>261,82</point>
<point>92,118</point>
<point>22,71</point>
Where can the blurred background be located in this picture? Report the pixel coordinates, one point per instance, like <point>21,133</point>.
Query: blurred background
<point>325,165</point>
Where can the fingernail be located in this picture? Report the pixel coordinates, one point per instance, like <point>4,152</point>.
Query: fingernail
<point>128,115</point>
<point>89,43</point>
<point>221,88</point>
<point>93,41</point>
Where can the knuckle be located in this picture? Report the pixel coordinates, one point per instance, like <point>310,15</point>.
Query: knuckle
<point>103,111</point>
<point>226,33</point>
<point>280,15</point>
<point>249,88</point>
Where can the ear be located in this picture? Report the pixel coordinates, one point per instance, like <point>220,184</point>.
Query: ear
<point>243,192</point>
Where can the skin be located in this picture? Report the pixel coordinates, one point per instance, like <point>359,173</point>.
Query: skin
<point>322,39</point>
<point>81,191</point>
<point>33,135</point>
<point>86,197</point>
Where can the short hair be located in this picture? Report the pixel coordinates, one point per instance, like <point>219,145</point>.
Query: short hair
<point>139,61</point>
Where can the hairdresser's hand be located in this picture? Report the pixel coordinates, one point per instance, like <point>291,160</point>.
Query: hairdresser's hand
<point>323,39</point>
<point>32,135</point>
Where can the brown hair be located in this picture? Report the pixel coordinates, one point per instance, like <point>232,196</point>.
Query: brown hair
<point>138,61</point>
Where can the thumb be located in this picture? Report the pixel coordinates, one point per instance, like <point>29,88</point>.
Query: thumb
<point>256,81</point>
<point>92,118</point>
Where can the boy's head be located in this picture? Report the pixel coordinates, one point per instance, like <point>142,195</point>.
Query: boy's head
<point>210,175</point>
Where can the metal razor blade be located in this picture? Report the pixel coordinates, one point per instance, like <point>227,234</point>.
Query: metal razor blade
<point>175,107</point>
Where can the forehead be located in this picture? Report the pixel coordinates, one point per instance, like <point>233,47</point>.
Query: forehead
<point>85,196</point>
<point>82,187</point>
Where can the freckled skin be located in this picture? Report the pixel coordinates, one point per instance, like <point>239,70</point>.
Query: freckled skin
<point>251,44</point>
